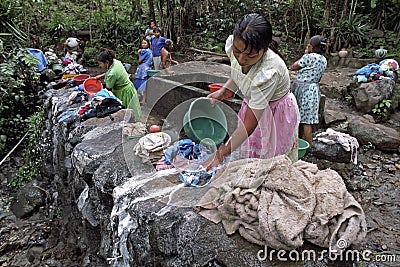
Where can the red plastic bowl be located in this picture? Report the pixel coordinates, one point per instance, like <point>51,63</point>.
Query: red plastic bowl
<point>216,86</point>
<point>79,79</point>
<point>92,86</point>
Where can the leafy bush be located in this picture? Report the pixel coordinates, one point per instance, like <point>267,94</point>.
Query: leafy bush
<point>385,15</point>
<point>350,31</point>
<point>367,146</point>
<point>31,153</point>
<point>90,56</point>
<point>8,12</point>
<point>382,109</point>
<point>18,85</point>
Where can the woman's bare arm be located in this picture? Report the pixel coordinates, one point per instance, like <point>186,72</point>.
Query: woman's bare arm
<point>245,129</point>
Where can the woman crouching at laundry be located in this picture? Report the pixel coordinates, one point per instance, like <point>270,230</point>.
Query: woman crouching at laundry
<point>269,116</point>
<point>117,80</point>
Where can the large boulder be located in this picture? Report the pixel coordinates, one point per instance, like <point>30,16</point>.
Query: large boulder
<point>367,95</point>
<point>332,152</point>
<point>28,200</point>
<point>382,137</point>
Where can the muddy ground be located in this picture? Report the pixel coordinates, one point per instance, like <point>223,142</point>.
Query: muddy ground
<point>374,182</point>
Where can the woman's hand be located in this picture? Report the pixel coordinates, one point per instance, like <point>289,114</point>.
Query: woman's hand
<point>217,95</point>
<point>99,77</point>
<point>218,157</point>
<point>211,162</point>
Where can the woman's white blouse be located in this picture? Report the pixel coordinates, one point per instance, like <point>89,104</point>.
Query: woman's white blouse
<point>267,80</point>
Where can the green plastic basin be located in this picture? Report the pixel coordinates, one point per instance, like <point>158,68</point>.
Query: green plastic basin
<point>203,120</point>
<point>151,73</point>
<point>303,146</point>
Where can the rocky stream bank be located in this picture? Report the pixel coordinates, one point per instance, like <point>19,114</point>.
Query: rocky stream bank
<point>86,210</point>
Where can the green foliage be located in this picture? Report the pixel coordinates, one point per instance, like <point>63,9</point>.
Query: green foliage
<point>382,109</point>
<point>17,95</point>
<point>119,26</point>
<point>90,56</point>
<point>349,99</point>
<point>368,146</point>
<point>32,153</point>
<point>218,22</point>
<point>218,47</point>
<point>385,15</point>
<point>351,31</point>
<point>8,12</point>
<point>127,53</point>
<point>394,48</point>
<point>58,212</point>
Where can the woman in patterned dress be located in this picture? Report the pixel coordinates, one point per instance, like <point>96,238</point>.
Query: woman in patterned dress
<point>311,66</point>
<point>268,118</point>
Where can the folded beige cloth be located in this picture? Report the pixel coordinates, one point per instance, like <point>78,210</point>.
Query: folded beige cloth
<point>151,147</point>
<point>280,204</point>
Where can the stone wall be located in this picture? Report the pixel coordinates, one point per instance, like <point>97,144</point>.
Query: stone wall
<point>121,212</point>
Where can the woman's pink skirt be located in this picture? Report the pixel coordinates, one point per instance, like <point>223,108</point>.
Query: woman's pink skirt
<point>277,130</point>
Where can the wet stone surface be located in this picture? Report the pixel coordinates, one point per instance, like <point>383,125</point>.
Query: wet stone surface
<point>39,239</point>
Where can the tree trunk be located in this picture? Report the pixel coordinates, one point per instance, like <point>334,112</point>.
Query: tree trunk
<point>333,27</point>
<point>345,9</point>
<point>170,19</point>
<point>152,13</point>
<point>183,18</point>
<point>207,52</point>
<point>160,4</point>
<point>90,21</point>
<point>327,13</point>
<point>166,9</point>
<point>136,11</point>
<point>305,18</point>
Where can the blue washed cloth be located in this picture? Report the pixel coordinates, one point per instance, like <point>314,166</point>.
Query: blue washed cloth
<point>104,93</point>
<point>140,84</point>
<point>68,115</point>
<point>370,68</point>
<point>188,149</point>
<point>198,177</point>
<point>183,148</point>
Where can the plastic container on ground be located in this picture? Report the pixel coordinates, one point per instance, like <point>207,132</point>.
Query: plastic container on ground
<point>57,68</point>
<point>151,73</point>
<point>303,146</point>
<point>216,86</point>
<point>92,86</point>
<point>79,79</point>
<point>203,120</point>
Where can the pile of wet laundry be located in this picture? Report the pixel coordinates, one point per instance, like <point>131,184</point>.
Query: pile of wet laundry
<point>386,69</point>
